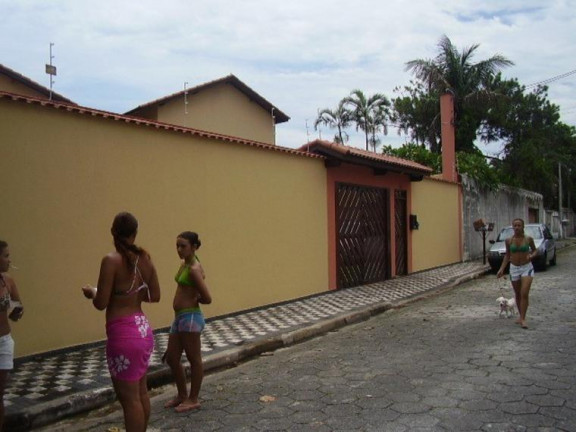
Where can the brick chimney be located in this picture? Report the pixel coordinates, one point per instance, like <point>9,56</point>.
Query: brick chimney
<point>448,138</point>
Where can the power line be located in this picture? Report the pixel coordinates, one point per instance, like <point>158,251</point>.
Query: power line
<point>549,80</point>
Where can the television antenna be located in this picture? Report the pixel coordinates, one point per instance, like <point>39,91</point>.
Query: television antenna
<point>185,97</point>
<point>273,125</point>
<point>51,70</point>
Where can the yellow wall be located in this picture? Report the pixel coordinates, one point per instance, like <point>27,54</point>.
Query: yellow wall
<point>222,109</point>
<point>261,216</point>
<point>437,241</point>
<point>12,86</point>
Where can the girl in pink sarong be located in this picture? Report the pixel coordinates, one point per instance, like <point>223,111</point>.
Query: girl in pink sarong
<point>127,278</point>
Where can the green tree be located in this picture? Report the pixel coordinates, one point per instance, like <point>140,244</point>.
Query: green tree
<point>417,153</point>
<point>475,166</point>
<point>377,123</point>
<point>340,118</point>
<point>471,163</point>
<point>534,141</point>
<point>369,113</point>
<point>416,114</point>
<point>454,72</point>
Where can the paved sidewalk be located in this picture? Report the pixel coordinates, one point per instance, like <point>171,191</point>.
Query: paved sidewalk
<point>47,388</point>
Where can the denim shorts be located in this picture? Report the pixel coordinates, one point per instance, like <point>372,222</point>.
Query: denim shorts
<point>190,320</point>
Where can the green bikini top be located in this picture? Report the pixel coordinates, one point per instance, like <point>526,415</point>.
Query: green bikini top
<point>525,247</point>
<point>183,276</point>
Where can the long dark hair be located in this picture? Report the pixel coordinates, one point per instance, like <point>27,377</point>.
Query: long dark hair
<point>125,225</point>
<point>3,245</point>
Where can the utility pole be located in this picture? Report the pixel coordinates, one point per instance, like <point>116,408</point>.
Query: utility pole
<point>561,228</point>
<point>185,97</point>
<point>273,125</point>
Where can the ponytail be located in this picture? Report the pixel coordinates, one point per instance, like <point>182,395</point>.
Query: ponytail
<point>125,225</point>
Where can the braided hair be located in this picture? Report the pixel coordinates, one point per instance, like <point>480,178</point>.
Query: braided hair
<point>125,225</point>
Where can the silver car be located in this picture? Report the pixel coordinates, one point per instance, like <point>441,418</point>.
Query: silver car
<point>543,240</point>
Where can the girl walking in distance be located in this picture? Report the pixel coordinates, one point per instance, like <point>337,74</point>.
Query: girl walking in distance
<point>520,251</point>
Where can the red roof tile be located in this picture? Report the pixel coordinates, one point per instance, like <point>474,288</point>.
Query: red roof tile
<point>356,155</point>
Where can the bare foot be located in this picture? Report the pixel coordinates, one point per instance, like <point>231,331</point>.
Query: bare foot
<point>186,406</point>
<point>524,325</point>
<point>518,321</point>
<point>172,403</point>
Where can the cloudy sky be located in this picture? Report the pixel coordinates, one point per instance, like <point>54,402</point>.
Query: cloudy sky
<point>300,55</point>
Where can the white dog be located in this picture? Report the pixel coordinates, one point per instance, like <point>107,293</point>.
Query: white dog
<point>507,306</point>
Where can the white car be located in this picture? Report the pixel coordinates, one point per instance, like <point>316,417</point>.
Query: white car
<point>543,240</point>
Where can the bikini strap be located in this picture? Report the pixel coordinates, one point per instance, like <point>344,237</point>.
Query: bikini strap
<point>143,282</point>
<point>139,273</point>
<point>136,271</point>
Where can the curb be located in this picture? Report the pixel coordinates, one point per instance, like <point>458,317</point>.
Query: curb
<point>53,411</point>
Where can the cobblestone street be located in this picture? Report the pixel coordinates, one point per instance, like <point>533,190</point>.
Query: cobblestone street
<point>445,363</point>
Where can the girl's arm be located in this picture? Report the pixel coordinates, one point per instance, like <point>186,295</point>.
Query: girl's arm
<point>153,285</point>
<point>505,261</point>
<point>102,294</point>
<point>533,248</point>
<point>18,310</point>
<point>197,276</point>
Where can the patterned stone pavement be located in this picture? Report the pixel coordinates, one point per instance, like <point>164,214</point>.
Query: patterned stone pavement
<point>45,388</point>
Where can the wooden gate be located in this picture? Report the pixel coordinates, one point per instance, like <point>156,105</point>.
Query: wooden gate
<point>401,227</point>
<point>363,246</point>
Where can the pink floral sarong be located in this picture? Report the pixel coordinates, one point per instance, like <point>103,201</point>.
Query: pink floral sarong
<point>129,346</point>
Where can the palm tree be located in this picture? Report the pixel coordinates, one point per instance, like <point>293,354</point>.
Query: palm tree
<point>377,124</point>
<point>454,72</point>
<point>340,119</point>
<point>369,113</point>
